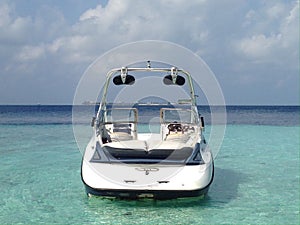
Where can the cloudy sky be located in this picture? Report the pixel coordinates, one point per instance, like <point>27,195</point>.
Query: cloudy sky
<point>251,46</point>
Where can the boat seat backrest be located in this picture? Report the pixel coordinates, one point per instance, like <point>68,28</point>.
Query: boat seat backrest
<point>178,137</point>
<point>120,136</point>
<point>119,132</point>
<point>122,128</point>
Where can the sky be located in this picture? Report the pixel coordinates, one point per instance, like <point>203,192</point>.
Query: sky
<point>251,46</point>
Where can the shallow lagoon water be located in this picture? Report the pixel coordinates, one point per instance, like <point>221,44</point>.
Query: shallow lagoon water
<point>256,180</point>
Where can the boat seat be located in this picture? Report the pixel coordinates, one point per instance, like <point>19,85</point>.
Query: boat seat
<point>120,136</point>
<point>127,144</point>
<point>136,149</point>
<point>178,137</point>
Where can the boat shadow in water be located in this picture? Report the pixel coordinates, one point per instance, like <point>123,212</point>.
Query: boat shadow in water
<point>223,190</point>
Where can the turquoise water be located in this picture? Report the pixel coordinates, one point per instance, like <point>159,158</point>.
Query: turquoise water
<point>256,181</point>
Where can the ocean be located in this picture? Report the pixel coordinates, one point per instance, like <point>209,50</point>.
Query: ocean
<point>256,172</point>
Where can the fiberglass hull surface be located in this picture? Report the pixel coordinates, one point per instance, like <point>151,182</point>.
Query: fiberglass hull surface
<point>146,180</point>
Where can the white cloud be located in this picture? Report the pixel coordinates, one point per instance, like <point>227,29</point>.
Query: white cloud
<point>111,12</point>
<point>259,46</point>
<point>278,10</point>
<point>4,15</point>
<point>199,25</point>
<point>92,13</point>
<point>30,53</point>
<point>104,27</point>
<point>278,42</point>
<point>13,28</point>
<point>228,35</point>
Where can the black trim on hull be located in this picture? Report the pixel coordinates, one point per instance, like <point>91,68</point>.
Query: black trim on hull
<point>138,194</point>
<point>154,194</point>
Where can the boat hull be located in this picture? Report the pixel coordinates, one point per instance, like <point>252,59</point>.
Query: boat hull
<point>199,186</point>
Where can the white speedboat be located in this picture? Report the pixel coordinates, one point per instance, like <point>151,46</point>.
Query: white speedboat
<point>150,150</point>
